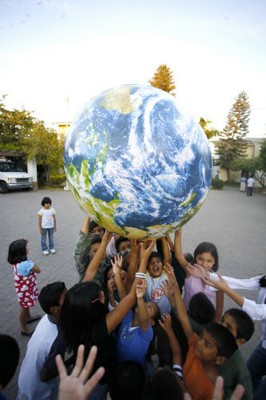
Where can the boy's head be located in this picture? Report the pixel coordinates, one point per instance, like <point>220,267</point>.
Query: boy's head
<point>165,385</point>
<point>96,229</point>
<point>9,358</point>
<point>127,381</point>
<point>239,323</point>
<point>122,245</point>
<point>216,344</point>
<point>201,309</point>
<point>155,265</point>
<point>52,297</point>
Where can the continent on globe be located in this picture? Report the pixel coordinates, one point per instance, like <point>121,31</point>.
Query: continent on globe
<point>137,163</point>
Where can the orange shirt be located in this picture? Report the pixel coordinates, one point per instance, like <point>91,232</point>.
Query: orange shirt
<point>195,378</point>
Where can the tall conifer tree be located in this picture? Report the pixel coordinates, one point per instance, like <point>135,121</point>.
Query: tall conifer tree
<point>232,145</point>
<point>163,79</point>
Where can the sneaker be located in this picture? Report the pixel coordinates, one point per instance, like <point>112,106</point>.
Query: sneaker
<point>52,251</point>
<point>45,252</point>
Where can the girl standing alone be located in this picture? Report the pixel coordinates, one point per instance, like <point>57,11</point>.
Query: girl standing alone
<point>25,282</point>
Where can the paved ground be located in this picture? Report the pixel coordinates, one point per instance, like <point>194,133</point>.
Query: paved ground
<point>235,223</point>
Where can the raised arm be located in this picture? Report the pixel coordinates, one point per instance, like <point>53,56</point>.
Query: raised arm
<point>133,262</point>
<point>178,250</point>
<point>179,306</point>
<point>85,228</point>
<point>166,324</point>
<point>117,266</point>
<point>114,317</point>
<point>143,315</point>
<point>166,251</point>
<point>97,258</point>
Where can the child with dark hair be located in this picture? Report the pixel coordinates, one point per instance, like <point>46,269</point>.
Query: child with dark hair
<point>135,333</point>
<point>47,225</point>
<point>215,345</point>
<point>239,323</point>
<point>201,312</point>
<point>29,382</point>
<point>122,245</point>
<point>84,308</point>
<point>85,246</point>
<point>24,271</point>
<point>127,381</point>
<point>9,358</point>
<point>205,255</point>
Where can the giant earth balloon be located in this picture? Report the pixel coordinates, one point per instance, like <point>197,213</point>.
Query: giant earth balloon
<point>138,165</point>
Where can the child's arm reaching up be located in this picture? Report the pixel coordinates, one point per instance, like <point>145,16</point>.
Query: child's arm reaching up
<point>166,324</point>
<point>133,262</point>
<point>117,266</point>
<point>179,308</point>
<point>178,250</point>
<point>98,257</point>
<point>143,315</point>
<point>114,317</point>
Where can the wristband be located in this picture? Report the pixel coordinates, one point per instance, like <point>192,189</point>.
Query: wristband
<point>140,275</point>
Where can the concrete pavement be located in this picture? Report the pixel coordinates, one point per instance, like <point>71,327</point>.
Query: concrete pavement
<point>234,222</point>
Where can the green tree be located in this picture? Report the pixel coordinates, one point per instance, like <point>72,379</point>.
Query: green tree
<point>209,131</point>
<point>44,145</point>
<point>21,132</point>
<point>255,166</point>
<point>232,145</point>
<point>163,79</point>
<point>15,125</point>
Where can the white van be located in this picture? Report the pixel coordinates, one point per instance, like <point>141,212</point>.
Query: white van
<point>13,177</point>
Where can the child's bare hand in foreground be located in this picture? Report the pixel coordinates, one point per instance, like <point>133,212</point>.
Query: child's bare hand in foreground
<point>76,386</point>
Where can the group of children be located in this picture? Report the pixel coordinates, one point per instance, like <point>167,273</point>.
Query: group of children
<point>155,314</point>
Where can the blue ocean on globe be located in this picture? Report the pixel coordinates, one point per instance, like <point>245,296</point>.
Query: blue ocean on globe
<point>138,164</point>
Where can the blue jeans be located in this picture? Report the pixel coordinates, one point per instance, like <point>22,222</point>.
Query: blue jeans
<point>257,368</point>
<point>50,233</point>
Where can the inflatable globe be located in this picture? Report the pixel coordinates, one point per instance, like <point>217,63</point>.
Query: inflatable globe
<point>138,165</point>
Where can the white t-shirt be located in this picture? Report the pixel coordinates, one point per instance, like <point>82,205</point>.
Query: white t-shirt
<point>250,182</point>
<point>47,217</point>
<point>30,386</point>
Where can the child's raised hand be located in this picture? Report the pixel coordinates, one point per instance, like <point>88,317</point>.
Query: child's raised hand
<point>166,322</point>
<point>217,284</point>
<point>169,270</point>
<point>76,386</point>
<point>134,245</point>
<point>168,289</point>
<point>107,236</point>
<point>141,289</point>
<point>117,263</point>
<point>146,248</point>
<point>197,270</point>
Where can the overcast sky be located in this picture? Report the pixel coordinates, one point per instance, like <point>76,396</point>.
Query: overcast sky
<point>55,55</point>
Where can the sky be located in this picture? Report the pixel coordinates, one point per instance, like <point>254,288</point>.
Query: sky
<point>55,55</point>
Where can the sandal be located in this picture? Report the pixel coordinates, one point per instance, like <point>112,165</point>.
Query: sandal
<point>27,333</point>
<point>34,318</point>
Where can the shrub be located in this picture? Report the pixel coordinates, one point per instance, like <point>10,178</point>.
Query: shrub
<point>57,179</point>
<point>217,183</point>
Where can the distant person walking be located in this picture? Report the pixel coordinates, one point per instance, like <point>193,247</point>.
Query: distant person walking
<point>243,183</point>
<point>250,185</point>
<point>47,225</point>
